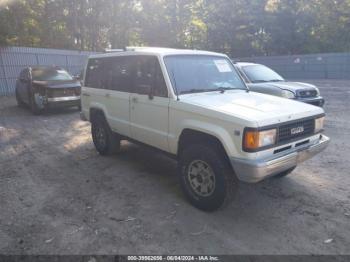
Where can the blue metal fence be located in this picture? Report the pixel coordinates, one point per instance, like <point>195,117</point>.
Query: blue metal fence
<point>14,59</point>
<point>315,66</point>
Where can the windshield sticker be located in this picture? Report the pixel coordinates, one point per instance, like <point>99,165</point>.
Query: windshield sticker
<point>223,66</point>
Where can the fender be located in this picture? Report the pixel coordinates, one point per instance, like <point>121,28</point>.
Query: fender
<point>98,106</point>
<point>216,131</point>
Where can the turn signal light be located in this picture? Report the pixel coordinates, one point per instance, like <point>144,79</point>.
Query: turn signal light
<point>251,140</point>
<point>254,139</point>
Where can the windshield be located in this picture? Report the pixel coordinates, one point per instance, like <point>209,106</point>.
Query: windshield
<point>50,74</point>
<point>202,73</point>
<point>260,73</point>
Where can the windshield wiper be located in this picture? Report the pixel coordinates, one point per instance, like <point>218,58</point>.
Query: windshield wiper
<point>260,81</point>
<point>220,88</point>
<point>276,80</point>
<point>194,90</point>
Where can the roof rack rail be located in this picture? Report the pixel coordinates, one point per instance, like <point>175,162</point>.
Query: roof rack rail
<point>135,48</point>
<point>108,50</point>
<point>127,48</point>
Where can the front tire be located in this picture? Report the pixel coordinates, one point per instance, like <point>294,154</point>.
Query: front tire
<point>34,107</point>
<point>206,177</point>
<point>106,142</point>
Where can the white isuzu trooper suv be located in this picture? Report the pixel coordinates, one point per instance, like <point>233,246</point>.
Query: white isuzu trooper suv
<point>194,106</point>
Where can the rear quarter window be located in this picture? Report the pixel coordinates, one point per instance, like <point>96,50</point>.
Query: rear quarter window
<point>133,74</point>
<point>112,73</point>
<point>94,73</point>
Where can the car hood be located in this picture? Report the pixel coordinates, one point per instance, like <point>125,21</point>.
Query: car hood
<point>58,84</point>
<point>293,86</point>
<point>259,108</point>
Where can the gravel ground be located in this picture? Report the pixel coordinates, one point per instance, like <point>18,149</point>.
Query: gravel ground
<point>58,196</point>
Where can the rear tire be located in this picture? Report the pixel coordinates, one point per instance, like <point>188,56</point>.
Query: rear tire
<point>285,173</point>
<point>206,177</point>
<point>106,142</point>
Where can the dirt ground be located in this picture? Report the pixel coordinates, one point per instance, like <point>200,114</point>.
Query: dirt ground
<point>58,196</point>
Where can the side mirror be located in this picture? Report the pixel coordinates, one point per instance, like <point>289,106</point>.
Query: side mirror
<point>150,93</point>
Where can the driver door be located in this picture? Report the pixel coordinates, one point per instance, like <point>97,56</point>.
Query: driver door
<point>149,103</point>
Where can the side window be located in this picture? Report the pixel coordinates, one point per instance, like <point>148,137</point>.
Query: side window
<point>148,76</point>
<point>94,73</point>
<point>119,74</point>
<point>144,74</point>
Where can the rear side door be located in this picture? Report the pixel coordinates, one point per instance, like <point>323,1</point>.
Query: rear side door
<point>149,103</point>
<point>106,87</point>
<point>118,77</point>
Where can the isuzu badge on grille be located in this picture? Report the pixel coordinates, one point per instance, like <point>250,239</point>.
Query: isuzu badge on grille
<point>297,130</point>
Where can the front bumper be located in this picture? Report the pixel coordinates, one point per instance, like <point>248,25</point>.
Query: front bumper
<point>65,101</point>
<point>316,101</point>
<point>253,171</point>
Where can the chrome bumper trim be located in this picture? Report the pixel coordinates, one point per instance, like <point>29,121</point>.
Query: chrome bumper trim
<point>253,171</point>
<point>63,99</point>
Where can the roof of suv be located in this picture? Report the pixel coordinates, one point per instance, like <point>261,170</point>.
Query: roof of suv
<point>157,51</point>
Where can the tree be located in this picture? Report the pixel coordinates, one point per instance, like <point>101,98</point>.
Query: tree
<point>236,27</point>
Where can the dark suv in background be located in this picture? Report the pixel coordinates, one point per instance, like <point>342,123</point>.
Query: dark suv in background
<point>41,87</point>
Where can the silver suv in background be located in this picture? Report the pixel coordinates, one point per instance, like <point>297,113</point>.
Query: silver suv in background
<point>263,79</point>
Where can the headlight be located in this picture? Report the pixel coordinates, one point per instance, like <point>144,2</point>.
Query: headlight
<point>317,91</point>
<point>288,94</point>
<point>319,123</point>
<point>254,139</point>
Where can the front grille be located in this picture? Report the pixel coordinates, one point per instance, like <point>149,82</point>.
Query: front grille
<point>298,129</point>
<point>307,93</point>
<point>61,92</point>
